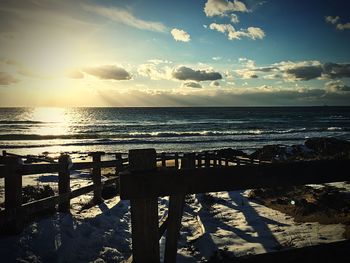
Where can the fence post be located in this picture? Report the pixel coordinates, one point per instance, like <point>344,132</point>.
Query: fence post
<point>163,159</point>
<point>176,204</point>
<point>214,159</point>
<point>96,176</point>
<point>64,181</point>
<point>199,160</point>
<point>144,212</point>
<point>13,194</point>
<point>119,162</point>
<point>207,160</point>
<point>176,160</point>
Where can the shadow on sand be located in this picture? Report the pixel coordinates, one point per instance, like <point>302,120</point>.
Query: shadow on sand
<point>259,231</point>
<point>82,238</point>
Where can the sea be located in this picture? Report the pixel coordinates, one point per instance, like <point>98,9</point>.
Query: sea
<point>82,130</point>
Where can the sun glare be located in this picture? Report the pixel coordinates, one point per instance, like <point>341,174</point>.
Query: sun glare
<point>57,120</point>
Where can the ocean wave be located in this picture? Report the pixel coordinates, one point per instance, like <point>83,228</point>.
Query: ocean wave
<point>19,122</point>
<point>140,142</point>
<point>162,134</point>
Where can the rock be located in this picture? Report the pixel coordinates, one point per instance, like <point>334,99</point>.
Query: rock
<point>329,146</point>
<point>315,148</point>
<point>229,152</point>
<point>271,153</point>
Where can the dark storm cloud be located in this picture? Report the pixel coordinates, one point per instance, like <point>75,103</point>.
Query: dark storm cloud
<point>305,72</point>
<point>185,73</point>
<point>108,72</point>
<point>335,70</point>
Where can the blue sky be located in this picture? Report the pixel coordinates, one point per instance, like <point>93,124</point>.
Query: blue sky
<point>174,53</point>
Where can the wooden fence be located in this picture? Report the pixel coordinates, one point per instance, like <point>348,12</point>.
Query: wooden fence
<point>144,182</point>
<point>145,175</point>
<point>12,169</point>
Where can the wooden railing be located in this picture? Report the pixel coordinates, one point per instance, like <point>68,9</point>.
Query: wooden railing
<point>12,170</point>
<point>144,182</point>
<point>145,175</point>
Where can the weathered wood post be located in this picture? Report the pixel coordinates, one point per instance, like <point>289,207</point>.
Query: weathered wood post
<point>199,160</point>
<point>144,212</point>
<point>96,176</point>
<point>176,160</point>
<point>207,160</point>
<point>176,204</point>
<point>64,181</point>
<point>163,159</point>
<point>226,161</point>
<point>119,163</point>
<point>215,159</point>
<point>13,193</point>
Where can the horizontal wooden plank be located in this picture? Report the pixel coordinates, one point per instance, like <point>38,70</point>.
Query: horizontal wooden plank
<point>42,204</point>
<point>48,202</point>
<point>165,182</point>
<point>41,168</point>
<point>28,169</point>
<point>88,165</point>
<point>34,158</point>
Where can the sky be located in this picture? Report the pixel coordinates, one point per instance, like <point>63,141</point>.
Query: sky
<point>174,53</point>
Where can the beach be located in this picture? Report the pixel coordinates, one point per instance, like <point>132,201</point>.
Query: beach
<point>214,225</point>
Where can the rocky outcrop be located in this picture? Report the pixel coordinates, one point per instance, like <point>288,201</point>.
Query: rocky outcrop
<point>314,148</point>
<point>229,152</point>
<point>329,147</point>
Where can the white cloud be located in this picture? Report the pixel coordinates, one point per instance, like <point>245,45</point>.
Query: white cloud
<point>251,32</point>
<point>247,62</point>
<point>221,27</point>
<point>222,7</point>
<point>343,26</point>
<point>255,33</point>
<point>150,70</point>
<point>125,17</point>
<point>247,73</point>
<point>332,19</point>
<point>216,58</point>
<point>336,86</point>
<point>180,35</point>
<point>272,76</point>
<point>159,61</point>
<point>234,19</point>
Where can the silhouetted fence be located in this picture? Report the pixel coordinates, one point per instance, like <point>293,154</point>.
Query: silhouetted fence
<point>12,169</point>
<point>145,175</point>
<point>144,182</point>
